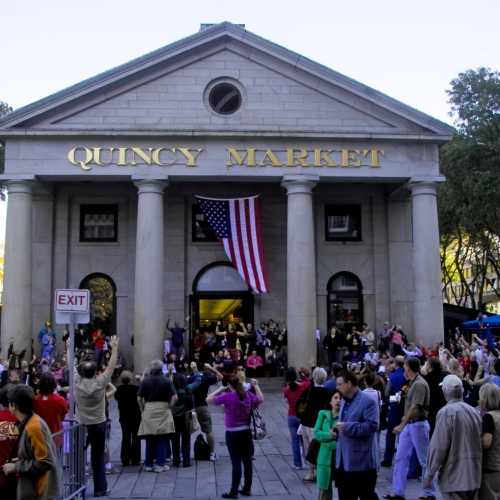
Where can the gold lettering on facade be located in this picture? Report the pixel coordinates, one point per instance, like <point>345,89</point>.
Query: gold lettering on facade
<point>270,158</point>
<point>235,158</point>
<point>344,158</point>
<point>84,162</point>
<point>122,156</point>
<point>296,157</point>
<point>353,158</point>
<point>156,157</point>
<point>376,155</point>
<point>96,152</point>
<point>140,153</point>
<point>323,158</point>
<point>191,155</point>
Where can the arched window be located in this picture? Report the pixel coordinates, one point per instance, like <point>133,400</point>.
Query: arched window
<point>219,277</point>
<point>102,302</point>
<point>344,300</point>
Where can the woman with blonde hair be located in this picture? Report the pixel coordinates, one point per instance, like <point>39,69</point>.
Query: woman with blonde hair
<point>489,402</point>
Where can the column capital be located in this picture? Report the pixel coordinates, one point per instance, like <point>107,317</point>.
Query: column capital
<point>154,185</point>
<point>19,186</point>
<point>299,184</point>
<point>424,185</point>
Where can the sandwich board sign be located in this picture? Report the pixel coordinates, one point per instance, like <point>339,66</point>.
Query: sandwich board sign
<point>72,307</point>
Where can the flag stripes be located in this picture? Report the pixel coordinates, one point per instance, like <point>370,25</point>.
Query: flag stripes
<point>237,224</point>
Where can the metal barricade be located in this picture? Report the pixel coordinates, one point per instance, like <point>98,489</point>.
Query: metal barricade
<point>70,445</point>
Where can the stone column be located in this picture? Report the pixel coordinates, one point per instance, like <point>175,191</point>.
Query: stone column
<point>149,323</point>
<point>17,301</point>
<point>301,312</point>
<point>428,302</point>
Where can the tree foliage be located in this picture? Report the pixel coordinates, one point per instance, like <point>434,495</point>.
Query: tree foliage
<point>469,202</point>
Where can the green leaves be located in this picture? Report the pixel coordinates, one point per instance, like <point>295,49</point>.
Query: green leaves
<point>469,201</point>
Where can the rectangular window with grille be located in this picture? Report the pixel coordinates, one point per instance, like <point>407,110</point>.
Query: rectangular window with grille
<point>98,223</point>
<point>342,222</point>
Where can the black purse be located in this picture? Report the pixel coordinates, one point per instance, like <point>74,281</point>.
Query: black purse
<point>313,452</point>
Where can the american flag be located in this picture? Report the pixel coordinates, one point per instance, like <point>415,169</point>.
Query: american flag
<point>236,223</point>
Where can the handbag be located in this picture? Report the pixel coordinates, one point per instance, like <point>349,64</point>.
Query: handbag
<point>313,451</point>
<point>257,425</point>
<point>192,422</point>
<point>302,404</point>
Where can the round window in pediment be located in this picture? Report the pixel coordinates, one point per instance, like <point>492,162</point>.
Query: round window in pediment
<point>224,98</point>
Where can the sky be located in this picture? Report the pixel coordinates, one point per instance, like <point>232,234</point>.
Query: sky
<point>408,50</point>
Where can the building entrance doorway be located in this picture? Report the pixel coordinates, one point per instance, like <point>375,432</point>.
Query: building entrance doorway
<point>102,302</point>
<point>219,294</point>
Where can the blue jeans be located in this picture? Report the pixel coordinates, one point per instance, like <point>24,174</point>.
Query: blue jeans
<point>293,427</point>
<point>413,437</point>
<point>156,450</point>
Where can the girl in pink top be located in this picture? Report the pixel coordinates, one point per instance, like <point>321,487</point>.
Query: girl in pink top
<point>254,364</point>
<point>238,405</point>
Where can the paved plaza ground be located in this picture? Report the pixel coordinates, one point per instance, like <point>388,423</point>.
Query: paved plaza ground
<point>274,476</point>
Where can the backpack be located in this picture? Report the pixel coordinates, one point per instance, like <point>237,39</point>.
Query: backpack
<point>302,404</point>
<point>201,448</point>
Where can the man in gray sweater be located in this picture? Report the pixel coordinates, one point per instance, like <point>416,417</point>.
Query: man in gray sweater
<point>455,448</point>
<point>90,395</point>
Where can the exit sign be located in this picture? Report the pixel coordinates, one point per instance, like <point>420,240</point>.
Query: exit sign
<point>75,301</point>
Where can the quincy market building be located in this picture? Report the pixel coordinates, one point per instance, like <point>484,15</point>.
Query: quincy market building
<point>102,179</point>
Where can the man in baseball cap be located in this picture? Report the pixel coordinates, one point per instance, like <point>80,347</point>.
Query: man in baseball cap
<point>455,448</point>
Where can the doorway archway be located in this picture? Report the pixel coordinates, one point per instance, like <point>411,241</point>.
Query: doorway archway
<point>102,302</point>
<point>220,294</point>
<point>344,300</point>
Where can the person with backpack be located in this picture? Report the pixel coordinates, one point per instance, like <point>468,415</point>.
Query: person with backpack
<point>199,384</point>
<point>238,406</point>
<point>292,392</point>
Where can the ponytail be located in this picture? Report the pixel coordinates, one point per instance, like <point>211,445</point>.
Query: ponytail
<point>291,378</point>
<point>237,385</point>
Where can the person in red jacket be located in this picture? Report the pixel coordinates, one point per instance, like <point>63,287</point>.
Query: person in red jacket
<point>8,443</point>
<point>49,405</point>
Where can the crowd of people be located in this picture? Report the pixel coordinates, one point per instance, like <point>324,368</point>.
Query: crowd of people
<point>439,406</point>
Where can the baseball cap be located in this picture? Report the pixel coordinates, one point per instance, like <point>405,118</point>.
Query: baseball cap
<point>451,382</point>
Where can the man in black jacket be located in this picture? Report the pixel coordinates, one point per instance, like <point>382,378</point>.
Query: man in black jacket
<point>434,377</point>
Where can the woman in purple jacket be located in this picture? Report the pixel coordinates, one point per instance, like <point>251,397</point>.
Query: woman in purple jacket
<point>238,405</point>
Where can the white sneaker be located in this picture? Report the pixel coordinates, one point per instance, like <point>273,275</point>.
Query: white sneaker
<point>159,468</point>
<point>148,469</point>
<point>213,456</point>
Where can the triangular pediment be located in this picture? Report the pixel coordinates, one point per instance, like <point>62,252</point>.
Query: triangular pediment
<point>282,93</point>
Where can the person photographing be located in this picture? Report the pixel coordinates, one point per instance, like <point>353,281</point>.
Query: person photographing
<point>238,406</point>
